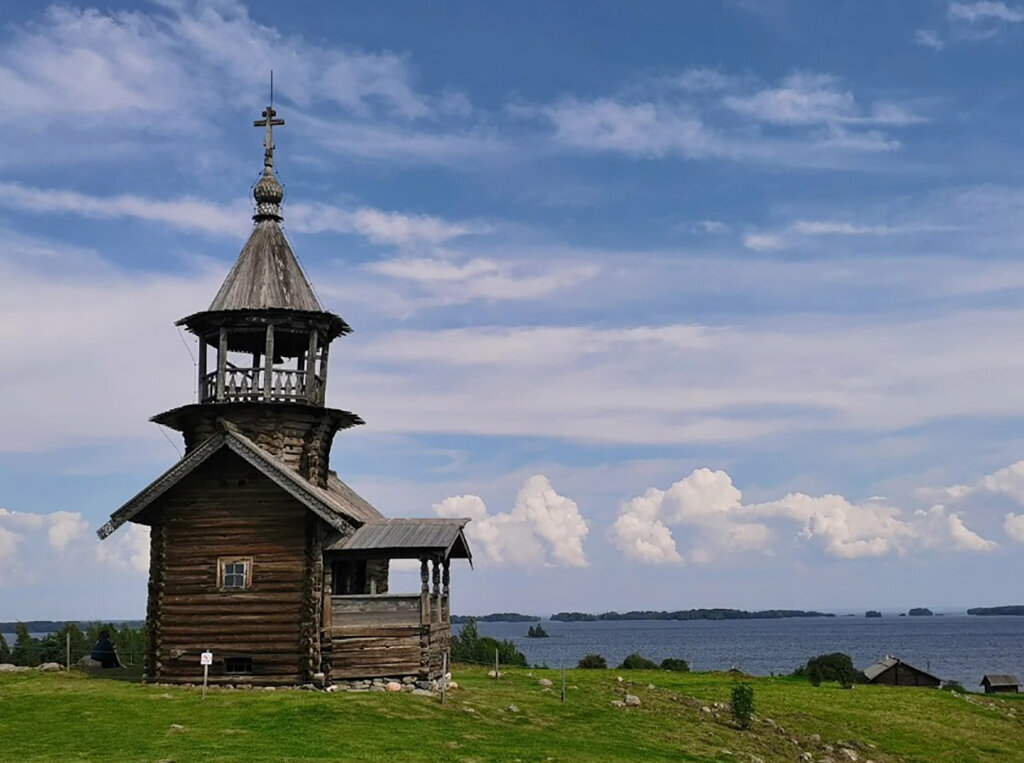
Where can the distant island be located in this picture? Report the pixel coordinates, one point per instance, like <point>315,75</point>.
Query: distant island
<point>920,612</point>
<point>497,617</point>
<point>1012,609</point>
<point>872,613</point>
<point>689,614</point>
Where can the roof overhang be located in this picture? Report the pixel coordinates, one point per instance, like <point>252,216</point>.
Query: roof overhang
<point>314,498</point>
<point>433,537</point>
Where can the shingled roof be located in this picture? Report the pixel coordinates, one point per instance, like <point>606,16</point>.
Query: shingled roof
<point>405,538</point>
<point>266,275</point>
<point>999,679</point>
<point>339,505</point>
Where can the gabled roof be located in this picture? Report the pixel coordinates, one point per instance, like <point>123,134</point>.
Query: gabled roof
<point>999,679</point>
<point>406,538</point>
<point>266,275</point>
<point>873,671</point>
<point>340,506</point>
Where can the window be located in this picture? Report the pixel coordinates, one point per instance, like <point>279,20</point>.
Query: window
<point>238,664</point>
<point>234,573</point>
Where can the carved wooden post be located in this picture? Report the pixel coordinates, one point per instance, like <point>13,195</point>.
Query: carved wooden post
<point>222,362</point>
<point>322,392</point>
<point>202,370</point>
<point>437,592</point>
<point>445,592</point>
<point>424,593</point>
<point>309,379</point>
<point>268,363</point>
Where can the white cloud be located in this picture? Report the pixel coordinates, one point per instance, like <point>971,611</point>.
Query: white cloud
<point>804,229</point>
<point>1014,526</point>
<point>929,38</point>
<point>815,99</point>
<point>708,510</point>
<point>543,528</point>
<point>985,10</point>
<point>127,549</point>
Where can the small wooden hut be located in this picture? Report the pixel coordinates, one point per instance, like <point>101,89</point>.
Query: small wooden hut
<point>1000,683</point>
<point>892,671</point>
<point>259,553</point>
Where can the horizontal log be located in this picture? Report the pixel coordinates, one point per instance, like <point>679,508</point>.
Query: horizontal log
<point>388,631</point>
<point>216,598</point>
<point>377,671</point>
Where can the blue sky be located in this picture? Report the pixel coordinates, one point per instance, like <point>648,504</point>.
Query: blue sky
<point>686,304</point>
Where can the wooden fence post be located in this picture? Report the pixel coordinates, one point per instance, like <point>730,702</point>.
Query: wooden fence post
<point>563,684</point>
<point>495,664</point>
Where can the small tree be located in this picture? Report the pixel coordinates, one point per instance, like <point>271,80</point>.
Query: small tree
<point>743,704</point>
<point>593,662</point>
<point>469,646</point>
<point>5,651</point>
<point>678,665</point>
<point>831,667</point>
<point>636,662</point>
<point>24,646</point>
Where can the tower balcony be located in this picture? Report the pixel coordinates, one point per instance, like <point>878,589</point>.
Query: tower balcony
<point>260,385</point>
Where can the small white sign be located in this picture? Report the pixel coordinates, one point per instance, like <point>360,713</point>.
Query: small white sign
<point>206,658</point>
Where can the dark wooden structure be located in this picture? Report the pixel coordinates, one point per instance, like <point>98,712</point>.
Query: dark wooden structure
<point>1000,683</point>
<point>892,671</point>
<point>258,551</point>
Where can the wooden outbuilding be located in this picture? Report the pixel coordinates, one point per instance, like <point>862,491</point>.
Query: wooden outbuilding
<point>1000,683</point>
<point>892,671</point>
<point>259,552</point>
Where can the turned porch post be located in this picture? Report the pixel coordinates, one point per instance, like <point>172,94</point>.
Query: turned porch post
<point>222,362</point>
<point>268,363</point>
<point>446,616</point>
<point>424,593</point>
<point>202,369</point>
<point>437,593</point>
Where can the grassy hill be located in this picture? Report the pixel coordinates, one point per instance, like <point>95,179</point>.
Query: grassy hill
<point>50,716</point>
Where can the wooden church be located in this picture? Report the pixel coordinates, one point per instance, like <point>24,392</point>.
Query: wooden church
<point>259,553</point>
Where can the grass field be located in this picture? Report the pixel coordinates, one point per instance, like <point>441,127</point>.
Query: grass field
<point>60,716</point>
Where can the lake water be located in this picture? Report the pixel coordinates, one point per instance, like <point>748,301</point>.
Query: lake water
<point>953,647</point>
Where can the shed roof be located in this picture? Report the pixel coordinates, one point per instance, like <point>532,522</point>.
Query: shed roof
<point>406,538</point>
<point>338,505</point>
<point>873,671</point>
<point>999,679</point>
<point>266,275</point>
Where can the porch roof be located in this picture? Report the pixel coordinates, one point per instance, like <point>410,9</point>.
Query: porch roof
<point>405,539</point>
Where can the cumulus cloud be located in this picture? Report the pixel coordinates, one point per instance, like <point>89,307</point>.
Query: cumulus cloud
<point>542,529</point>
<point>30,542</point>
<point>1014,526</point>
<point>127,549</point>
<point>707,509</point>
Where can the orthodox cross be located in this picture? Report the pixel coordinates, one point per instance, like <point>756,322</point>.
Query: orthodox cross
<point>270,123</point>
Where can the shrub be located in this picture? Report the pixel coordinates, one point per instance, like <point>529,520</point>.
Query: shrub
<point>593,662</point>
<point>953,686</point>
<point>636,662</point>
<point>469,646</point>
<point>5,651</point>
<point>831,667</point>
<point>743,704</point>
<point>678,665</point>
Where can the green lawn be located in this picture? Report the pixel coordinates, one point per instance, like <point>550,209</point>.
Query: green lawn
<point>59,716</point>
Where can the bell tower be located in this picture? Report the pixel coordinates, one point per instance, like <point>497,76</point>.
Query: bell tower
<point>263,346</point>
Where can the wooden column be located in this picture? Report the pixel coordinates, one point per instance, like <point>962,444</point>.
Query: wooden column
<point>437,593</point>
<point>309,379</point>
<point>268,363</point>
<point>222,363</point>
<point>446,616</point>
<point>322,396</point>
<point>424,593</point>
<point>202,369</point>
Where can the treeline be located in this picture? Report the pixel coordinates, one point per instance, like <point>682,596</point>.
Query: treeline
<point>496,617</point>
<point>49,626</point>
<point>690,614</point>
<point>129,642</point>
<point>1015,609</point>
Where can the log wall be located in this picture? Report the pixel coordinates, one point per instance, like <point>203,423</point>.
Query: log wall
<point>228,509</point>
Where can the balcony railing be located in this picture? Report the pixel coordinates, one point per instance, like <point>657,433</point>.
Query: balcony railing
<point>250,385</point>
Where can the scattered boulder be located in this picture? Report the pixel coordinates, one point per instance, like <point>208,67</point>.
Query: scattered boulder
<point>88,663</point>
<point>618,703</point>
<point>50,667</point>
<point>494,674</point>
<point>177,727</point>
<point>393,686</point>
<point>814,738</point>
<point>632,700</point>
<point>848,754</point>
<point>422,693</point>
<point>512,709</point>
<point>545,682</point>
<point>8,668</point>
<point>650,686</point>
<point>618,678</point>
<point>453,685</point>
